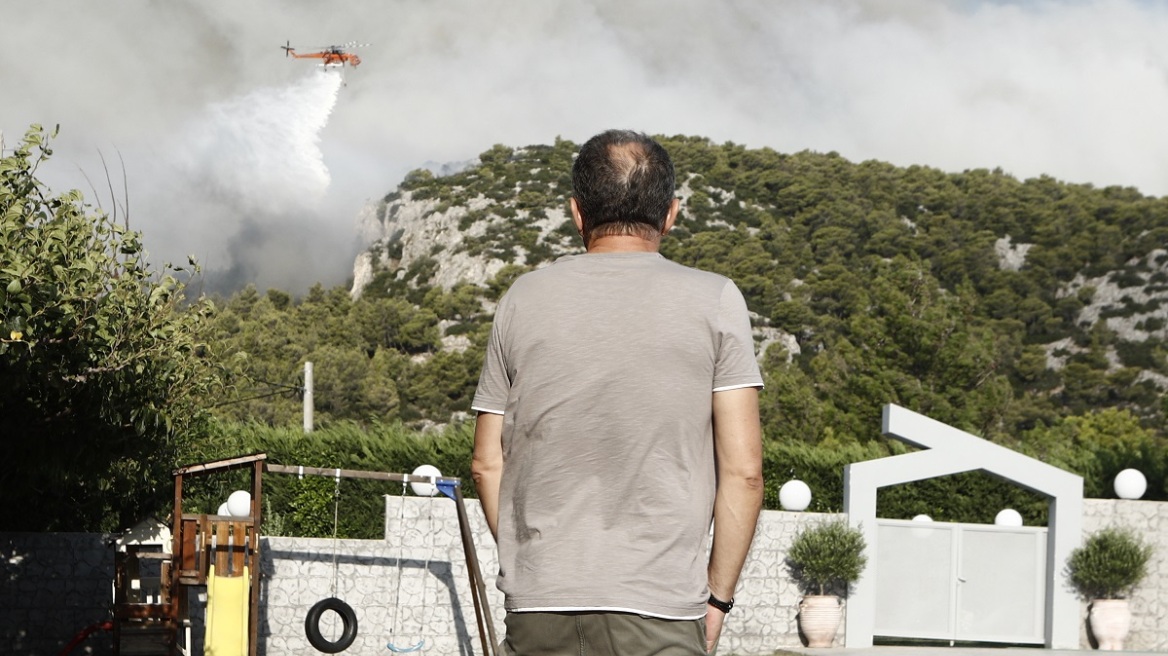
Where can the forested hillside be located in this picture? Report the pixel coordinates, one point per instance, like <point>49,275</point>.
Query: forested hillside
<point>1032,313</point>
<point>1014,309</point>
<point>995,304</point>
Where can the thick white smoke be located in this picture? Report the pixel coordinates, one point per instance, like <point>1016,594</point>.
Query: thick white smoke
<point>260,152</point>
<point>250,180</point>
<point>1077,90</point>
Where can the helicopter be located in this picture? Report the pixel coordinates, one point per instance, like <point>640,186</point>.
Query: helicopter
<point>330,56</point>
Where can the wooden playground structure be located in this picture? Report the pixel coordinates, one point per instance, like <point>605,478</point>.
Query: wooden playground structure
<point>222,554</point>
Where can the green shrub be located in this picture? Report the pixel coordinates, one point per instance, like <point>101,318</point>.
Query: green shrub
<point>826,557</point>
<point>1109,564</point>
<point>303,507</point>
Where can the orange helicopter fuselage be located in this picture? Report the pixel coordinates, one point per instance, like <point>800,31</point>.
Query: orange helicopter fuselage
<point>329,57</point>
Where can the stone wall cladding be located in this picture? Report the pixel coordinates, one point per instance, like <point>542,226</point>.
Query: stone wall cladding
<point>56,584</point>
<point>1149,602</point>
<point>424,567</point>
<point>52,586</point>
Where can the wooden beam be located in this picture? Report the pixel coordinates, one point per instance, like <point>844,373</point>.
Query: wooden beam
<point>220,465</point>
<point>330,472</point>
<point>253,552</point>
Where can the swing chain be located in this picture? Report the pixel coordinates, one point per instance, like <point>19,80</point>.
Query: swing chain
<point>336,515</point>
<point>400,556</point>
<point>400,571</point>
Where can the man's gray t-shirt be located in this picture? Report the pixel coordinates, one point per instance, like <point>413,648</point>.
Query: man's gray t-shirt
<point>604,367</point>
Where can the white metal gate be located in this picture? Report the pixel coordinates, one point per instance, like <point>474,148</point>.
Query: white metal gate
<point>967,582</point>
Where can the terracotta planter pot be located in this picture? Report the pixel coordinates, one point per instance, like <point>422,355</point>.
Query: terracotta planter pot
<point>1110,621</point>
<point>819,619</point>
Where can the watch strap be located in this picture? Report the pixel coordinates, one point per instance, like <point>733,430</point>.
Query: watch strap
<point>723,606</point>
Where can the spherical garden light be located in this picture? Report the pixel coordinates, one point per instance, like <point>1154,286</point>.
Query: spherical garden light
<point>239,503</point>
<point>795,495</point>
<point>425,489</point>
<point>1008,517</point>
<point>1130,484</point>
<point>924,530</point>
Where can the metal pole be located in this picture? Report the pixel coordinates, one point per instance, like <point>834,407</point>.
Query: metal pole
<point>478,590</point>
<point>307,397</point>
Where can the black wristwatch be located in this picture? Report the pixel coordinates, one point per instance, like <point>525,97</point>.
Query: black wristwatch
<point>723,606</point>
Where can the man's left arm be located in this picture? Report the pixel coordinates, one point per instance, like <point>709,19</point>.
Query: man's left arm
<point>738,501</point>
<point>486,467</point>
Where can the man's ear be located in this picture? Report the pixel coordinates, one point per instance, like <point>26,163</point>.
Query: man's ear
<point>671,217</point>
<point>577,217</point>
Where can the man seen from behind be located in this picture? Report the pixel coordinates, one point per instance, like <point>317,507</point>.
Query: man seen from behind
<point>617,417</point>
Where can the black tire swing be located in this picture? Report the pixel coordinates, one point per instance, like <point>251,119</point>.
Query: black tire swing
<point>333,603</point>
<point>312,625</point>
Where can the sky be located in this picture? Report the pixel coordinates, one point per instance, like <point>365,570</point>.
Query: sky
<point>258,164</point>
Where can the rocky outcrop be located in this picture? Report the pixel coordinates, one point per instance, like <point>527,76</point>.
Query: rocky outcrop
<point>1011,257</point>
<point>403,231</point>
<point>1133,303</point>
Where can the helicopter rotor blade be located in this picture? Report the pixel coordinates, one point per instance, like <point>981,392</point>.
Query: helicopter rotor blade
<point>334,47</point>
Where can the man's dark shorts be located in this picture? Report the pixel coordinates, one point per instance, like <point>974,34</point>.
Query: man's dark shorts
<point>601,634</point>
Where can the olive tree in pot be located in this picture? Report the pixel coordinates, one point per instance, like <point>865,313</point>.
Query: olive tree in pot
<point>824,559</point>
<point>1104,570</point>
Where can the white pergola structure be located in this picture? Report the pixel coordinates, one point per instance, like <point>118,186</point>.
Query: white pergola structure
<point>947,451</point>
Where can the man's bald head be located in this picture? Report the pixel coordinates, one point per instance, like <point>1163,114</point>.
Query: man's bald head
<point>623,183</point>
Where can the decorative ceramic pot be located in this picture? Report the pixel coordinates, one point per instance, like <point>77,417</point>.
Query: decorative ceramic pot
<point>1110,621</point>
<point>819,619</point>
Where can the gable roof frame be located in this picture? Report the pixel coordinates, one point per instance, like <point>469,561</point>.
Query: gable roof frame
<point>948,451</point>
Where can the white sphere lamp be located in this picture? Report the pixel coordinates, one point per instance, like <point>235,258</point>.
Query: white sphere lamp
<point>222,509</point>
<point>1130,484</point>
<point>425,489</point>
<point>1008,517</point>
<point>795,496</point>
<point>921,532</point>
<point>239,503</point>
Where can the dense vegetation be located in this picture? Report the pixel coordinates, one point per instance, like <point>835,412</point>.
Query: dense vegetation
<point>102,377</point>
<point>304,506</point>
<point>1032,313</point>
<point>894,282</point>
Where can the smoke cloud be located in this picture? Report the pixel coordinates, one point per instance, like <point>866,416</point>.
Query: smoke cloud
<point>241,156</point>
<point>261,152</point>
<point>253,163</point>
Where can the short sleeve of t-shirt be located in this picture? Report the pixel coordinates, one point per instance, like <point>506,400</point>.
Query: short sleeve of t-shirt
<point>735,365</point>
<point>494,382</point>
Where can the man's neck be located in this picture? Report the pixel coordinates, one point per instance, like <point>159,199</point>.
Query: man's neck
<point>623,244</point>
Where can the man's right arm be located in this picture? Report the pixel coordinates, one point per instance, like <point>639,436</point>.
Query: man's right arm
<point>486,467</point>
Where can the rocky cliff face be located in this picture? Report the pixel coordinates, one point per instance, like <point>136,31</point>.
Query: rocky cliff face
<point>466,235</point>
<point>1135,304</point>
<point>403,231</point>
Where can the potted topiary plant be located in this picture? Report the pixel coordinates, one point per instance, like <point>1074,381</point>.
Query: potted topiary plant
<point>1104,570</point>
<point>824,559</point>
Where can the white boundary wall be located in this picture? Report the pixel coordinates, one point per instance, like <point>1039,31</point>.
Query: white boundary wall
<point>53,585</point>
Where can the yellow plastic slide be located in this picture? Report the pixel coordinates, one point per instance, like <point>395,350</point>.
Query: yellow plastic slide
<point>227,605</point>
